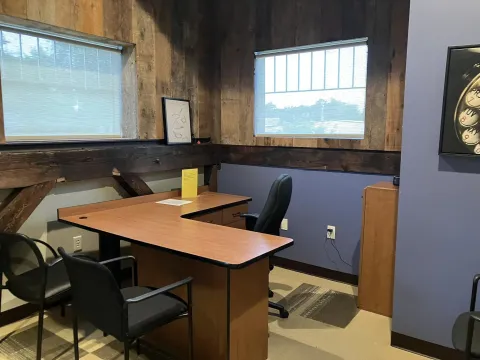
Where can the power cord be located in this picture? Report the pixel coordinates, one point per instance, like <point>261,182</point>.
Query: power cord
<point>340,255</point>
<point>326,252</point>
<point>338,252</point>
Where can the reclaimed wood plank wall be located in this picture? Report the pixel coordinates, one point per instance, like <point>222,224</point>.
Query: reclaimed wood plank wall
<point>172,42</point>
<point>249,26</point>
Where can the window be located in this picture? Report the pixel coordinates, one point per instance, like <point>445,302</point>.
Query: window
<point>313,91</point>
<point>55,88</point>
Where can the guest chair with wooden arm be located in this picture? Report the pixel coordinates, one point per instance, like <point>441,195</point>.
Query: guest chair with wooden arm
<point>270,219</point>
<point>466,330</point>
<point>126,314</point>
<point>32,279</point>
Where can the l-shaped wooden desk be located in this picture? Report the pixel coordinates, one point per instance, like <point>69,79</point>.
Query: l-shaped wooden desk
<point>205,240</point>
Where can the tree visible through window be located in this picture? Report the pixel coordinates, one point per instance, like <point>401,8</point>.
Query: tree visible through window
<point>59,89</point>
<point>315,91</point>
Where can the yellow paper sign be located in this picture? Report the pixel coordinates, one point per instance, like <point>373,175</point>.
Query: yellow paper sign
<point>189,183</point>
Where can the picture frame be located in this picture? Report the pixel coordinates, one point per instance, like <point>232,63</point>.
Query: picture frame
<point>460,123</point>
<point>177,121</point>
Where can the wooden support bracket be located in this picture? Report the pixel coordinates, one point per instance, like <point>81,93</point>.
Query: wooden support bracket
<point>20,204</point>
<point>132,184</point>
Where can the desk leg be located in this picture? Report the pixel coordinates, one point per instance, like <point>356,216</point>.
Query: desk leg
<point>109,248</point>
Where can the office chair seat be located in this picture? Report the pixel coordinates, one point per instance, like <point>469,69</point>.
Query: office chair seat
<point>150,313</point>
<point>27,285</point>
<point>459,334</point>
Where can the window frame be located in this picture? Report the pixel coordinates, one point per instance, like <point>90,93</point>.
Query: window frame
<point>129,112</point>
<point>310,49</point>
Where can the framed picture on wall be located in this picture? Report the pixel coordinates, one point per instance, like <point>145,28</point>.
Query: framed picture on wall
<point>460,133</point>
<point>177,121</point>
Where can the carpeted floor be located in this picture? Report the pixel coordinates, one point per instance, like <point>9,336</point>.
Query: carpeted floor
<point>324,325</point>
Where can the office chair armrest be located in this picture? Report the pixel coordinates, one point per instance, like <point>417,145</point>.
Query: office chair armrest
<point>251,220</point>
<point>473,298</point>
<point>162,290</point>
<point>471,325</point>
<point>49,247</point>
<point>133,265</point>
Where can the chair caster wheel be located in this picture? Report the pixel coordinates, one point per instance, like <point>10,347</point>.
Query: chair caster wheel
<point>284,314</point>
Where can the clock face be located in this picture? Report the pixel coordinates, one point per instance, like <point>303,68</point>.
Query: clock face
<point>467,116</point>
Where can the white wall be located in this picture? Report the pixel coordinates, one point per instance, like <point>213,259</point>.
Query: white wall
<point>43,224</point>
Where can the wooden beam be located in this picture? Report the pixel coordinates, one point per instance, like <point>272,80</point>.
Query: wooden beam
<point>133,184</point>
<point>370,162</point>
<point>20,205</point>
<point>210,176</point>
<point>39,164</point>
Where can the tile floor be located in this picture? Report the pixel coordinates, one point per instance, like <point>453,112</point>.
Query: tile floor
<point>366,337</point>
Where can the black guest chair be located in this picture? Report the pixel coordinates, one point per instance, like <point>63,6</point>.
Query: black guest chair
<point>30,278</point>
<point>466,330</point>
<point>270,220</point>
<point>126,314</point>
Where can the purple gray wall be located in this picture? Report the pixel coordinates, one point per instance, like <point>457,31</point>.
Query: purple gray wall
<point>319,199</point>
<point>438,248</point>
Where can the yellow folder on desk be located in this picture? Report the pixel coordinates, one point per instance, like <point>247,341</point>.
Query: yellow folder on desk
<point>189,183</point>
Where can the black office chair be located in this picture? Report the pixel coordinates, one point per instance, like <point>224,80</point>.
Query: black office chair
<point>126,314</point>
<point>466,330</point>
<point>32,279</point>
<point>270,220</point>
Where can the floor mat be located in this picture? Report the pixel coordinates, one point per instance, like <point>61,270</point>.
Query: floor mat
<point>319,304</point>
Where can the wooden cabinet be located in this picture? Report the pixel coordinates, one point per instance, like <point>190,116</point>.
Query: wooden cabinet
<point>232,214</point>
<point>377,259</point>
<point>212,218</point>
<point>229,216</point>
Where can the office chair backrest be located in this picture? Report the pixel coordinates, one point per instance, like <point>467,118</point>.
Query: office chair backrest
<point>23,265</point>
<point>275,208</point>
<point>96,295</point>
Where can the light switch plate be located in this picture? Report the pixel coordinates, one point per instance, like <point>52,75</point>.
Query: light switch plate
<point>284,225</point>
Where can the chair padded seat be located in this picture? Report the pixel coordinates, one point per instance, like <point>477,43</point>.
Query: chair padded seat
<point>57,287</point>
<point>148,314</point>
<point>459,333</point>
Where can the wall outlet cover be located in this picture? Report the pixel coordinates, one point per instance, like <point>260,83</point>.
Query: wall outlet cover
<point>331,230</point>
<point>77,243</point>
<point>284,225</point>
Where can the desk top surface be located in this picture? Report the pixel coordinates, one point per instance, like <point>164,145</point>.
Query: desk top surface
<point>141,220</point>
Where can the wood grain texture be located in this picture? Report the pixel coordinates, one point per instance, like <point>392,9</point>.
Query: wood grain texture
<point>24,168</point>
<point>20,204</point>
<point>114,204</point>
<point>209,291</point>
<point>88,16</point>
<point>377,261</point>
<point>173,49</point>
<point>133,184</point>
<point>248,315</point>
<point>219,245</point>
<point>396,80</point>
<point>17,8</point>
<point>370,162</point>
<point>266,25</point>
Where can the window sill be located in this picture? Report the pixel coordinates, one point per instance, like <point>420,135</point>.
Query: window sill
<point>312,136</point>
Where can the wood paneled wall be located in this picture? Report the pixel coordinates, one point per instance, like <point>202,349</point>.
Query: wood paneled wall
<point>248,26</point>
<point>172,48</point>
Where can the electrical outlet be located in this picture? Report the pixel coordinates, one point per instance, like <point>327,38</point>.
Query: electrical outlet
<point>284,225</point>
<point>331,232</point>
<point>77,243</point>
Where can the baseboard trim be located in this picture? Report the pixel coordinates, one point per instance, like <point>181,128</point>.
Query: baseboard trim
<point>425,348</point>
<point>315,270</point>
<point>17,313</point>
